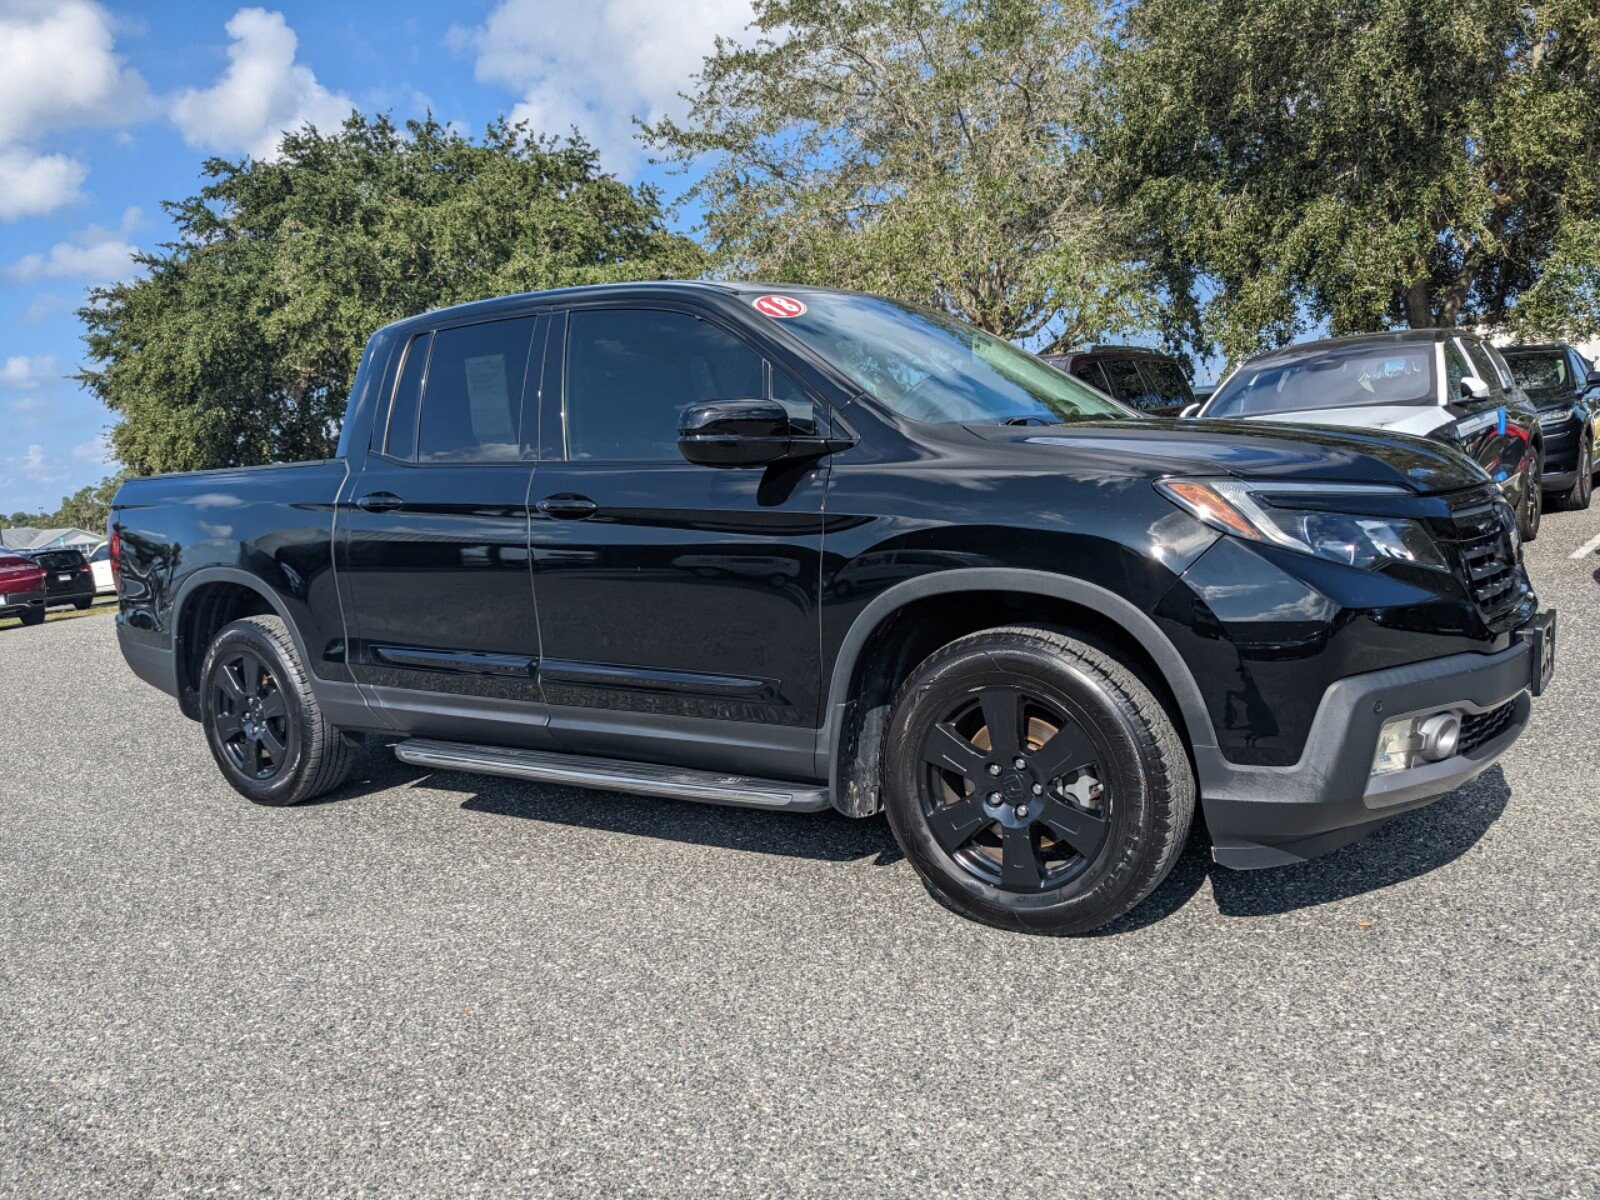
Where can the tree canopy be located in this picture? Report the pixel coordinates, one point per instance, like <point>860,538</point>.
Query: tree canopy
<point>924,149</point>
<point>240,343</point>
<point>1369,164</point>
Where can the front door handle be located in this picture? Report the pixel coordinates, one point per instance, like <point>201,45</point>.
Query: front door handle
<point>567,507</point>
<point>380,502</point>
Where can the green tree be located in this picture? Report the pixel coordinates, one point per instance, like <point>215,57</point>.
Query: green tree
<point>924,149</point>
<point>1368,164</point>
<point>240,344</point>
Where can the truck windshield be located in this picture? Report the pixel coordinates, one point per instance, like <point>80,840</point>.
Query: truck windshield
<point>1347,377</point>
<point>930,368</point>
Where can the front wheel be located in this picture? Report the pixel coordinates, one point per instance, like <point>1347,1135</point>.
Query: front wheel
<point>83,603</point>
<point>1577,497</point>
<point>1531,513</point>
<point>1034,782</point>
<point>33,616</point>
<point>262,720</point>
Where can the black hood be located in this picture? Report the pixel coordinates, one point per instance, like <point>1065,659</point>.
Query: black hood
<point>1253,450</point>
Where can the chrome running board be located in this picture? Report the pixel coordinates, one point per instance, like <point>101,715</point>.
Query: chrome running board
<point>613,775</point>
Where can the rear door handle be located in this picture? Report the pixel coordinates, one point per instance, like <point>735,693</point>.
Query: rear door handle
<point>567,507</point>
<point>380,502</point>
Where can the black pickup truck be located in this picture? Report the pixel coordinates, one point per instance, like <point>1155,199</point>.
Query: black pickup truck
<point>796,548</point>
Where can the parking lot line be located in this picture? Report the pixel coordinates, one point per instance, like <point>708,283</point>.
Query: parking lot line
<point>1587,548</point>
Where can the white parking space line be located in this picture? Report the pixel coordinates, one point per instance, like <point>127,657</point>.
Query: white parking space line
<point>1587,548</point>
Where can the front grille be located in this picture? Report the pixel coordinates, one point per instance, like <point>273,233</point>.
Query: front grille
<point>1483,536</point>
<point>1478,728</point>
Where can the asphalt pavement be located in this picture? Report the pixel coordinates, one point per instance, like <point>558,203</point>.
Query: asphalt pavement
<point>445,985</point>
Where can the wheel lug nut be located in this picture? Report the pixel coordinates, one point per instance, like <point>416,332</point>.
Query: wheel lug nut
<point>1022,811</point>
<point>1020,763</point>
<point>994,768</point>
<point>994,797</point>
<point>1038,789</point>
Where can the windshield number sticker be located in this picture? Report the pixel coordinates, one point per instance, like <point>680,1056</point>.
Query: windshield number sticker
<point>781,307</point>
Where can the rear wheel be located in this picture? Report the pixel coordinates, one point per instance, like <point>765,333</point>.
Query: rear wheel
<point>83,603</point>
<point>34,616</point>
<point>262,720</point>
<point>1576,498</point>
<point>1034,782</point>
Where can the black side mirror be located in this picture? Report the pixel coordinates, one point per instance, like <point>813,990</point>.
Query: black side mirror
<point>735,433</point>
<point>1592,382</point>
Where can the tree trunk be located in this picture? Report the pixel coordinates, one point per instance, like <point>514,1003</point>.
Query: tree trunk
<point>1418,305</point>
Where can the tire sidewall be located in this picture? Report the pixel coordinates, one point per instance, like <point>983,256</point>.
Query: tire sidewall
<point>282,788</point>
<point>1084,902</point>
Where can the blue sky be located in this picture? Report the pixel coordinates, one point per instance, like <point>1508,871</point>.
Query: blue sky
<point>107,109</point>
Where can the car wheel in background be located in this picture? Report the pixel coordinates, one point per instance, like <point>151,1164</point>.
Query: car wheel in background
<point>262,721</point>
<point>1034,782</point>
<point>1577,497</point>
<point>1530,513</point>
<point>82,604</point>
<point>32,617</point>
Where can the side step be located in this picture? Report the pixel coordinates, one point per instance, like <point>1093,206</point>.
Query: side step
<point>613,775</point>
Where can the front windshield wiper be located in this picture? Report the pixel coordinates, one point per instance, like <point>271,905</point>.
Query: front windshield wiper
<point>1029,421</point>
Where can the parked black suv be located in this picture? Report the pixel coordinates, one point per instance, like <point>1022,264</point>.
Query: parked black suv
<point>796,548</point>
<point>68,577</point>
<point>1143,379</point>
<point>1566,391</point>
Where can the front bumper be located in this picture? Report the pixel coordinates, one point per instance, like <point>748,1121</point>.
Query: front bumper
<point>1271,816</point>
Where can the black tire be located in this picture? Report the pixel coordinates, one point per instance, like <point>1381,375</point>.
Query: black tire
<point>262,720</point>
<point>80,605</point>
<point>1072,845</point>
<point>33,616</point>
<point>1530,513</point>
<point>1576,498</point>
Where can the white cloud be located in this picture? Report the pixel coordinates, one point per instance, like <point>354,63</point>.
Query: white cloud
<point>58,68</point>
<point>95,255</point>
<point>262,94</point>
<point>96,450</point>
<point>20,371</point>
<point>33,184</point>
<point>34,466</point>
<point>600,64</point>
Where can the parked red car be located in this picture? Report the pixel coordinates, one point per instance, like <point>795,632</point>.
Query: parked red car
<point>21,588</point>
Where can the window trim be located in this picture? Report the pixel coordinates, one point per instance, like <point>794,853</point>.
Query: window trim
<point>560,441</point>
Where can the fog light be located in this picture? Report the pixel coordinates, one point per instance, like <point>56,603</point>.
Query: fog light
<point>1406,741</point>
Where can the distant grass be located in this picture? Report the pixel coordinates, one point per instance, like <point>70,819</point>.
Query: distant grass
<point>101,605</point>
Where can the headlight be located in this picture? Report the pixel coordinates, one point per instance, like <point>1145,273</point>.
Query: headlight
<point>1557,416</point>
<point>1258,512</point>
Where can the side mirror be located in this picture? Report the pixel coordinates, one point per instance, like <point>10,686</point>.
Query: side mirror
<point>1192,410</point>
<point>735,433</point>
<point>1473,388</point>
<point>1592,381</point>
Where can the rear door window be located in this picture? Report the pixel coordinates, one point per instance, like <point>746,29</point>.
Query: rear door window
<point>1091,374</point>
<point>1168,382</point>
<point>472,394</point>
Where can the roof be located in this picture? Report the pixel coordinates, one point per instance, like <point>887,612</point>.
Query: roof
<point>1391,337</point>
<point>595,291</point>
<point>24,537</point>
<point>1522,348</point>
<point>1103,350</point>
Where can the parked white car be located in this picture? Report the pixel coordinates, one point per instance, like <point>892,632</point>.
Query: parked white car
<point>100,565</point>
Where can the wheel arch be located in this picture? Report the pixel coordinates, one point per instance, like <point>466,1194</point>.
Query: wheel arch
<point>210,599</point>
<point>874,654</point>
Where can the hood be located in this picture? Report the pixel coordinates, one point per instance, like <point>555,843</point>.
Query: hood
<point>1256,451</point>
<point>1549,399</point>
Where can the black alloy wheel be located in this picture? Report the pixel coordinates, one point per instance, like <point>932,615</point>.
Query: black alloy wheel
<point>250,716</point>
<point>262,719</point>
<point>1012,789</point>
<point>1034,781</point>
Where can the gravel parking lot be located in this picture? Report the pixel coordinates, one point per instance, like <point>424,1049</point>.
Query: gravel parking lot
<point>449,985</point>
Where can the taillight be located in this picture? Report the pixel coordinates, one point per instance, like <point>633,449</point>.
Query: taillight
<point>115,553</point>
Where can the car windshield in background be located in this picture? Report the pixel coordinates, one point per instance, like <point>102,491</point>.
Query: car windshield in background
<point>1342,378</point>
<point>930,368</point>
<point>1543,371</point>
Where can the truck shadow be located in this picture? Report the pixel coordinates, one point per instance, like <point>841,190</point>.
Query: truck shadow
<point>1412,844</point>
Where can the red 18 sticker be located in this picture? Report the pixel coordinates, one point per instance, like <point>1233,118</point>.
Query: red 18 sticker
<point>779,306</point>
